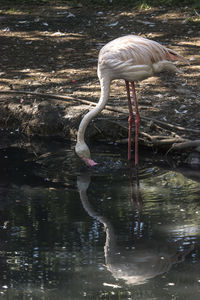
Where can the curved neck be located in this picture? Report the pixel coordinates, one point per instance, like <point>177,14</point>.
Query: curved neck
<point>83,183</point>
<point>105,89</point>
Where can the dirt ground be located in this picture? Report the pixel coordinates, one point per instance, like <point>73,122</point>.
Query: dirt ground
<point>53,49</point>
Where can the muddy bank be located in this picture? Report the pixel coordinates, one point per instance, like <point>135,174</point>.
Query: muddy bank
<point>51,52</point>
<point>28,118</point>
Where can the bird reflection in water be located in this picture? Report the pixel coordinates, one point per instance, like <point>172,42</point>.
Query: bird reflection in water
<point>141,261</point>
<point>136,198</point>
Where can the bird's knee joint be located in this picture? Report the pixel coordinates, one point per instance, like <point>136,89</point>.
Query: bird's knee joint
<point>137,122</point>
<point>130,119</point>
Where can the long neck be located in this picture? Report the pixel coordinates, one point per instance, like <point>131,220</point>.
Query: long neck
<point>83,182</point>
<point>105,89</point>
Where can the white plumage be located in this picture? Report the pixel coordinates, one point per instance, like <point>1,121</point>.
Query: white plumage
<point>130,58</point>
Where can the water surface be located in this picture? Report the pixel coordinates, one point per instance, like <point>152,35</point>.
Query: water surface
<point>70,233</point>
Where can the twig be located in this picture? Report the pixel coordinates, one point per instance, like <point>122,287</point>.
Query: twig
<point>171,126</point>
<point>169,141</point>
<point>167,130</point>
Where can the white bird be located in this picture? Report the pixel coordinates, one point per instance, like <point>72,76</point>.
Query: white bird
<point>130,58</point>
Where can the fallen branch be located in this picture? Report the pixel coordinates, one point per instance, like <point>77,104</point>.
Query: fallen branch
<point>186,145</point>
<point>108,107</point>
<point>157,142</point>
<point>60,97</point>
<point>46,95</point>
<point>161,140</point>
<point>169,141</point>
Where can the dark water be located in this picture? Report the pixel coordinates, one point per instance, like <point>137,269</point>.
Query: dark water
<point>67,233</point>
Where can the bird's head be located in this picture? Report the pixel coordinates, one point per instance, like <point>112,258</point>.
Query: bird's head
<point>83,152</point>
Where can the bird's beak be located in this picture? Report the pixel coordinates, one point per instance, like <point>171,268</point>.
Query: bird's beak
<point>89,162</point>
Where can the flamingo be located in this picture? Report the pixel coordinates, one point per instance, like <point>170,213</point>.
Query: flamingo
<point>145,260</point>
<point>131,58</point>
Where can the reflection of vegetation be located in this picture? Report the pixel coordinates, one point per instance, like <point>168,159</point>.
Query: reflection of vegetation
<point>174,195</point>
<point>51,240</point>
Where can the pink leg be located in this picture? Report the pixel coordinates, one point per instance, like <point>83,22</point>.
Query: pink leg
<point>130,120</point>
<point>137,123</point>
<point>136,198</point>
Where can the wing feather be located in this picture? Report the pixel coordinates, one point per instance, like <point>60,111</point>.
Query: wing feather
<point>122,54</point>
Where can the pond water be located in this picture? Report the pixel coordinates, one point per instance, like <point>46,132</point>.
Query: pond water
<point>107,233</point>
